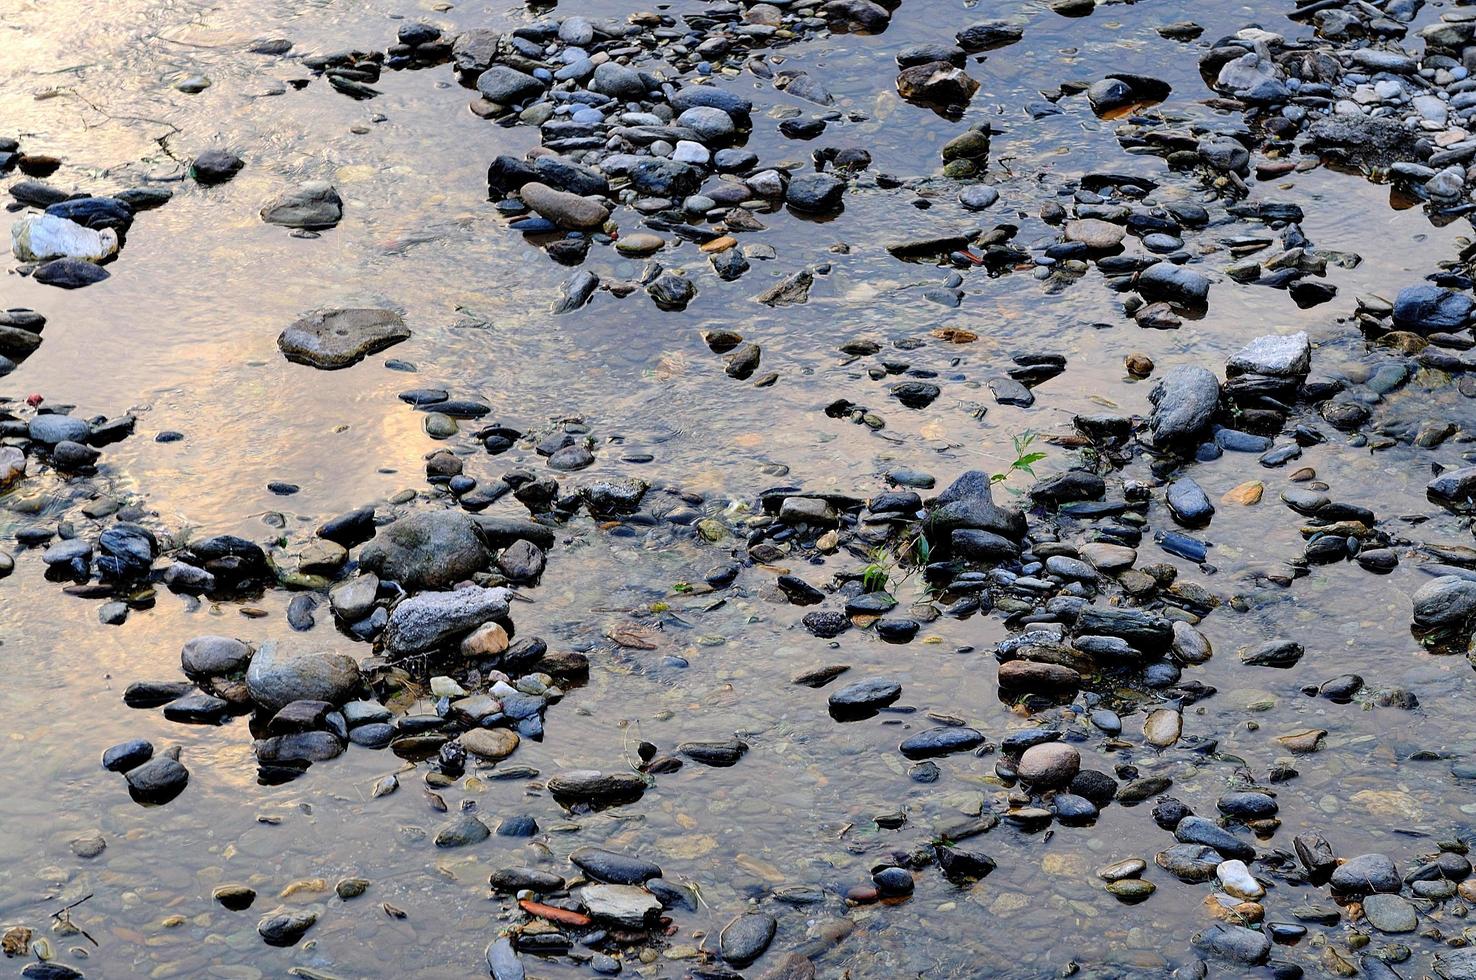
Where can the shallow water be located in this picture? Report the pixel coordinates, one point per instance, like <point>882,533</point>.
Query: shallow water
<point>184,333</point>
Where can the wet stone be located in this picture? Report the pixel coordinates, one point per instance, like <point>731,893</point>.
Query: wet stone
<point>340,338</point>
<point>746,937</point>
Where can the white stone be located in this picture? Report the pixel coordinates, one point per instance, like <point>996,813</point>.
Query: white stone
<point>1278,356</point>
<point>1236,879</point>
<point>38,237</point>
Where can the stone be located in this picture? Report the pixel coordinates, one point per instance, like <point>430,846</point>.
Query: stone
<point>487,640</point>
<point>1184,401</point>
<point>621,905</point>
<point>868,695</point>
<point>1365,874</point>
<point>127,755</point>
<point>1236,943</point>
<point>462,830</point>
<point>563,208</point>
<point>69,273</point>
<point>1427,308</point>
<point>815,193</point>
<point>277,677</point>
<point>504,961</point>
<point>597,789</point>
<point>937,82</point>
<point>508,86</point>
<point>285,928</point>
<point>1198,830</point>
<point>1447,602</point>
<point>490,743</point>
<point>616,80</point>
<point>427,550</point>
<point>940,741</point>
<point>1174,284</point>
<point>1390,913</point>
<point>313,204</point>
<point>427,620</point>
<point>215,166</point>
<point>1287,356</point>
<point>1454,490</point>
<point>746,937</point>
<point>214,656</point>
<point>157,781</point>
<point>1049,764</point>
<point>613,867</point>
<point>340,338</point>
<point>1095,233</point>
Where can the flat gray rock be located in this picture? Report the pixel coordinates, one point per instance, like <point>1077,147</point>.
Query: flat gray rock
<point>334,339</point>
<point>311,204</point>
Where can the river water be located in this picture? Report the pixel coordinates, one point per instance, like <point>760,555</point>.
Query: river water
<point>184,333</point>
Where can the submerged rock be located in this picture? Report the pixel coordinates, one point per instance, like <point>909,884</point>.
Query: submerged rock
<point>340,338</point>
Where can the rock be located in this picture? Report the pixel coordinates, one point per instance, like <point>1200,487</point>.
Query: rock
<point>462,830</point>
<point>127,755</point>
<point>299,747</point>
<point>311,204</point>
<point>490,743</point>
<point>1287,356</point>
<point>968,502</point>
<point>237,898</point>
<point>1454,490</point>
<point>51,429</point>
<point>746,937</point>
<point>616,80</point>
<point>431,619</point>
<point>1390,913</point>
<point>620,905</point>
<point>1049,764</point>
<point>1235,943</point>
<point>613,867</point>
<point>940,741</point>
<point>1456,964</point>
<point>214,656</point>
<point>285,928</point>
<point>564,209</point>
<point>333,339</point>
<point>508,86</point>
<point>504,961</point>
<point>37,238</point>
<point>1184,404</point>
<point>278,677</point>
<point>718,754</point>
<point>215,166</point>
<point>157,781</point>
<point>978,197</point>
<point>1198,830</point>
<point>1427,308</point>
<point>936,82</point>
<point>989,34</point>
<point>868,695</point>
<point>1365,874</point>
<point>69,273</point>
<point>1095,233</point>
<point>596,789</point>
<point>1176,284</point>
<point>427,550</point>
<point>1188,503</point>
<point>816,193</point>
<point>1447,602</point>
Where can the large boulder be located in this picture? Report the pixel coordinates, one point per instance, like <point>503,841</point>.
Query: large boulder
<point>430,550</point>
<point>427,620</point>
<point>278,676</point>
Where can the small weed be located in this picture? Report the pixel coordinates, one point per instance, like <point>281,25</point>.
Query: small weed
<point>1024,461</point>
